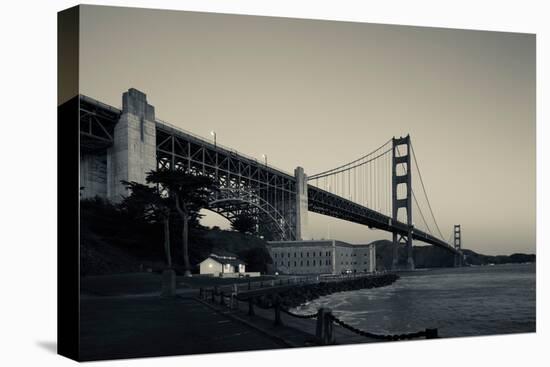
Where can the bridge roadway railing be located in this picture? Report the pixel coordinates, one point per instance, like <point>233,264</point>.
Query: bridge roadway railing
<point>166,126</point>
<point>324,318</point>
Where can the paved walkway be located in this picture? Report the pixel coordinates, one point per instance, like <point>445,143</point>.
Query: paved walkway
<point>126,327</point>
<point>123,316</point>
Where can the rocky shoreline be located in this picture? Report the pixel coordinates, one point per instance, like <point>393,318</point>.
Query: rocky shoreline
<point>301,294</point>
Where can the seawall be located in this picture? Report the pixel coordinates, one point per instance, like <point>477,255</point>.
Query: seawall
<point>301,294</point>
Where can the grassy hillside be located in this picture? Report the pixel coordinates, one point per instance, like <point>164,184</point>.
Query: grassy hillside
<point>112,243</point>
<point>251,249</point>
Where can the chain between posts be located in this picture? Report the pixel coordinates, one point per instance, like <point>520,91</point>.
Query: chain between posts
<point>428,333</point>
<point>307,316</point>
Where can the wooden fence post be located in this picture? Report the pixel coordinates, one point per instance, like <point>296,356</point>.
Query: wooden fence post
<point>324,331</point>
<point>319,325</point>
<point>277,307</point>
<point>329,328</point>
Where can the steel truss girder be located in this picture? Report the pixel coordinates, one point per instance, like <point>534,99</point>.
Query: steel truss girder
<point>97,122</point>
<point>201,156</point>
<point>231,202</point>
<point>246,185</point>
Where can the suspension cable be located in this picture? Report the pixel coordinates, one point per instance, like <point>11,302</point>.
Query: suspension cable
<point>421,214</point>
<point>331,172</point>
<point>424,189</point>
<point>321,174</point>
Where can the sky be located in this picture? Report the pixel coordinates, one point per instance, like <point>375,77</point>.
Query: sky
<point>317,94</point>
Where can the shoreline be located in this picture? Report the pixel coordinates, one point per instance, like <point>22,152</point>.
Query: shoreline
<point>302,294</point>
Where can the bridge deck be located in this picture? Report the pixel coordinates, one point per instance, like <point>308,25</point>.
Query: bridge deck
<point>97,121</point>
<point>324,202</point>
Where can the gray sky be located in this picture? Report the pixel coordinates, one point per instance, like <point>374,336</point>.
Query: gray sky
<point>319,93</point>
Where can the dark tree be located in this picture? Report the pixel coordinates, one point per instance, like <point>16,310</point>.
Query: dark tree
<point>151,206</point>
<point>244,223</point>
<point>256,259</point>
<point>189,193</point>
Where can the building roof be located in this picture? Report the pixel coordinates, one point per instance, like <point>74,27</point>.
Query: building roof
<point>224,255</point>
<point>313,243</point>
<point>232,260</point>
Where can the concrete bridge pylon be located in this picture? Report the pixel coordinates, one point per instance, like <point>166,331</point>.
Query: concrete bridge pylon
<point>133,153</point>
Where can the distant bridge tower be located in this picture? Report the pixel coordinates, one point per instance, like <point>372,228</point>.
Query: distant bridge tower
<point>402,199</point>
<point>458,245</point>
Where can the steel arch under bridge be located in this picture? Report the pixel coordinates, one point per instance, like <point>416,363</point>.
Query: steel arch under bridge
<point>230,203</point>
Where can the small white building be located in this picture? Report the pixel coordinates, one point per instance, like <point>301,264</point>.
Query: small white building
<point>222,265</point>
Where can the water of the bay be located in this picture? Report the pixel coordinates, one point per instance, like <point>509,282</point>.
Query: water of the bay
<point>459,302</point>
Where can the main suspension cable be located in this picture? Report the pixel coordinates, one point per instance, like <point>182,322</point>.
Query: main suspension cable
<point>322,174</point>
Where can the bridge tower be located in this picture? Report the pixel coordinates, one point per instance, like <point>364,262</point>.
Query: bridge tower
<point>133,153</point>
<point>402,198</point>
<point>458,245</point>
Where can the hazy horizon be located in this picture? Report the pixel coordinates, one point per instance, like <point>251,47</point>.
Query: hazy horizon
<point>317,94</point>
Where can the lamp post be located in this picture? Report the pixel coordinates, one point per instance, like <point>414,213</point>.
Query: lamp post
<point>264,156</point>
<point>213,133</point>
